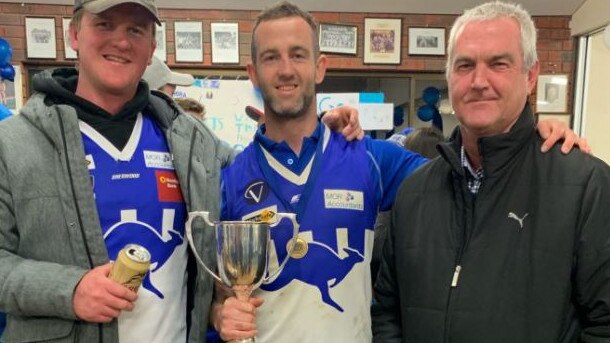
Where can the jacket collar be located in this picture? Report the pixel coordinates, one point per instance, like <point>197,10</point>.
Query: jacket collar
<point>496,151</point>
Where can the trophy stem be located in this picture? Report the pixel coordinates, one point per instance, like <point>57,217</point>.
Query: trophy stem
<point>242,293</point>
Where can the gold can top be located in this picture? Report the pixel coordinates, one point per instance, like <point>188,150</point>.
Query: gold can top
<point>137,253</point>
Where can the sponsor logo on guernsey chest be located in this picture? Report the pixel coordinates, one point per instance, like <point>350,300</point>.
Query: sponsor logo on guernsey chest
<point>344,199</point>
<point>157,159</point>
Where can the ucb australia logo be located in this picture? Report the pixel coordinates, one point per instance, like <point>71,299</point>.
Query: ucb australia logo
<point>256,192</point>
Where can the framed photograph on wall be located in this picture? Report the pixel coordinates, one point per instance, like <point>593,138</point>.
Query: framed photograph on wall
<point>426,41</point>
<point>552,93</point>
<point>40,37</point>
<point>11,93</point>
<point>382,39</point>
<point>225,42</point>
<point>189,41</point>
<point>339,39</point>
<point>69,53</point>
<point>161,50</point>
<point>563,117</point>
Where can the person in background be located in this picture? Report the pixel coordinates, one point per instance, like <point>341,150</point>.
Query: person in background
<point>495,241</point>
<point>422,140</point>
<point>160,77</point>
<point>192,107</point>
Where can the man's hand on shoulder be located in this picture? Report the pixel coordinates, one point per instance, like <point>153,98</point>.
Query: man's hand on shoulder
<point>552,131</point>
<point>344,119</point>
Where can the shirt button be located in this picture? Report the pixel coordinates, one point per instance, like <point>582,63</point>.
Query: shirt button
<point>290,161</point>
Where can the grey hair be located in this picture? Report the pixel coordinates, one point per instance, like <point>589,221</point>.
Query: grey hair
<point>495,10</point>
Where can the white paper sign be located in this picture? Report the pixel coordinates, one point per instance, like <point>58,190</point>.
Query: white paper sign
<point>327,101</point>
<point>376,116</point>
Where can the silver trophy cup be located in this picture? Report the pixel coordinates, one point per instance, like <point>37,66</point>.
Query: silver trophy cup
<point>241,253</point>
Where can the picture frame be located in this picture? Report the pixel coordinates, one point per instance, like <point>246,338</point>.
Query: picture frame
<point>188,37</point>
<point>225,43</point>
<point>69,53</point>
<point>40,37</point>
<point>562,117</point>
<point>11,93</point>
<point>160,37</point>
<point>382,41</point>
<point>552,93</point>
<point>427,41</point>
<point>338,38</point>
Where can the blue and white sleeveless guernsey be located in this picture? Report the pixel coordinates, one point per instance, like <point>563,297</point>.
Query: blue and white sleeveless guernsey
<point>336,189</point>
<point>139,201</point>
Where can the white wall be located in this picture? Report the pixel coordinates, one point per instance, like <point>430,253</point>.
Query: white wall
<point>592,15</point>
<point>596,120</point>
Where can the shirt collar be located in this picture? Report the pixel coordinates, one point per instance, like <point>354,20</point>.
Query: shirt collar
<point>271,145</point>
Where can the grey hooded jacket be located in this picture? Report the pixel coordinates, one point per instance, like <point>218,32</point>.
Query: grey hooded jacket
<point>50,235</point>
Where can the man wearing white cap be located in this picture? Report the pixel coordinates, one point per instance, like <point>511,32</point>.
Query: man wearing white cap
<point>160,77</point>
<point>93,163</point>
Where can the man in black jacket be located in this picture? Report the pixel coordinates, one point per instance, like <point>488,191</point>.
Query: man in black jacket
<point>495,241</point>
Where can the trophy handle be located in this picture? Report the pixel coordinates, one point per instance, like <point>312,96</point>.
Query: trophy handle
<point>295,233</point>
<point>189,236</point>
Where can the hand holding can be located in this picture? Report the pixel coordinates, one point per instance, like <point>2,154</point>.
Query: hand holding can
<point>131,266</point>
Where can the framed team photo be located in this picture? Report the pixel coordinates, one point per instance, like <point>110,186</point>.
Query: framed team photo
<point>382,38</point>
<point>40,37</point>
<point>339,39</point>
<point>161,50</point>
<point>426,41</point>
<point>189,41</point>
<point>225,42</point>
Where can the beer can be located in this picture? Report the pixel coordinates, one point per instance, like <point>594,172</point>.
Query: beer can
<point>131,266</point>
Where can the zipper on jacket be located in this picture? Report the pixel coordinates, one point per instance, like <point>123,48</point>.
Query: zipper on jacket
<point>469,200</point>
<point>456,276</point>
<point>78,213</point>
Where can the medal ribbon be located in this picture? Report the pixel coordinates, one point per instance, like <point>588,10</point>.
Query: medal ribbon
<point>271,178</point>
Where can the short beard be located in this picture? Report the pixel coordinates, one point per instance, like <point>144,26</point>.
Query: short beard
<point>291,113</point>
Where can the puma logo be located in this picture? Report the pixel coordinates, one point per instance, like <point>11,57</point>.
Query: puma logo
<point>512,215</point>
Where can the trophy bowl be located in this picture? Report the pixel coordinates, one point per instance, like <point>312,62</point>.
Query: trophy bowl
<point>242,252</point>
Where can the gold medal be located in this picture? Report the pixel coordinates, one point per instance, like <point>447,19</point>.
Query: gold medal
<point>300,248</point>
<point>266,216</point>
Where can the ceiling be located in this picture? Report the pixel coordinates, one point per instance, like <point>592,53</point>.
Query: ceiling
<point>535,7</point>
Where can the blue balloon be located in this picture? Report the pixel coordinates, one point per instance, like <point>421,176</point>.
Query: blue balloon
<point>6,52</point>
<point>7,72</point>
<point>437,121</point>
<point>4,112</point>
<point>431,96</point>
<point>426,112</point>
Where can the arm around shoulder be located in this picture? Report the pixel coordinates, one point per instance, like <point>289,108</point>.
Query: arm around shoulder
<point>592,284</point>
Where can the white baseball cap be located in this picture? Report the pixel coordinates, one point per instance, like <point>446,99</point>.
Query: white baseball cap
<point>158,74</point>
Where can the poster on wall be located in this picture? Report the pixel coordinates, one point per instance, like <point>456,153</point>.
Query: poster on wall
<point>69,53</point>
<point>189,41</point>
<point>40,37</point>
<point>225,42</point>
<point>161,50</point>
<point>225,102</point>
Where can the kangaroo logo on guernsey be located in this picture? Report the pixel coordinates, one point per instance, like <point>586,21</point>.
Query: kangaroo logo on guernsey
<point>335,269</point>
<point>130,230</point>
